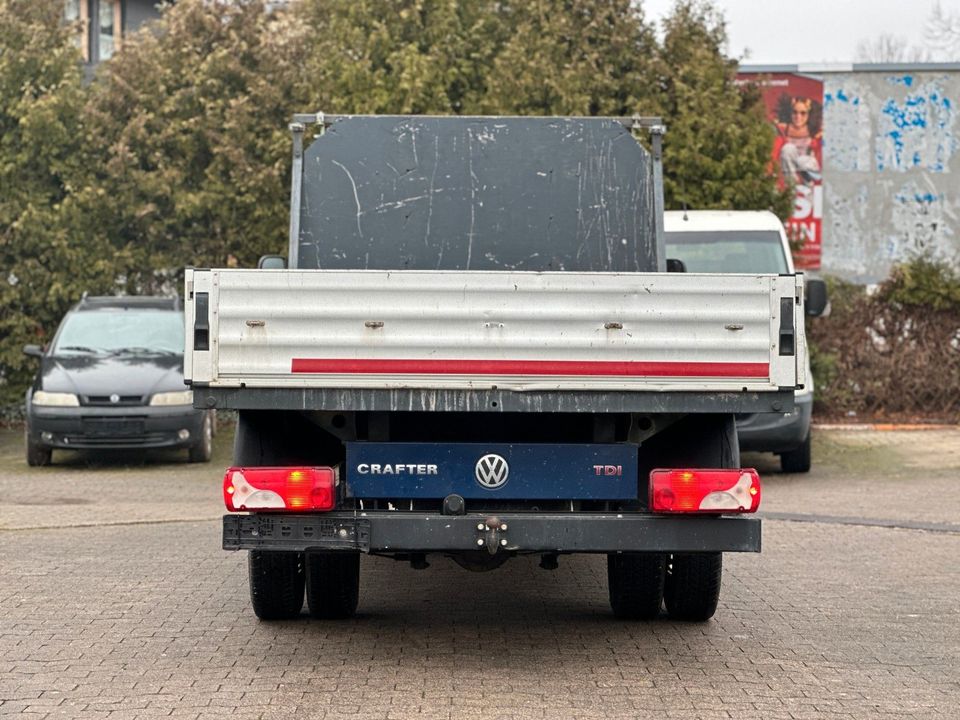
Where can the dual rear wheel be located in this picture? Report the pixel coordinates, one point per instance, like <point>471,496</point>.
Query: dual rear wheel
<point>686,584</point>
<point>641,583</point>
<point>278,581</point>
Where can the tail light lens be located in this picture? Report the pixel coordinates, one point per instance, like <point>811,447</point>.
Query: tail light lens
<point>291,489</point>
<point>704,491</point>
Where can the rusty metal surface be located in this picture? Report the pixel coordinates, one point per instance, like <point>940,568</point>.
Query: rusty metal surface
<point>493,401</point>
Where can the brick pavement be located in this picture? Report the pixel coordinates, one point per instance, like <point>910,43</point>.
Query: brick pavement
<point>126,487</point>
<point>885,475</point>
<point>153,620</point>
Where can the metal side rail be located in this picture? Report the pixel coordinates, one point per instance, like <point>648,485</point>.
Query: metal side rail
<point>400,531</point>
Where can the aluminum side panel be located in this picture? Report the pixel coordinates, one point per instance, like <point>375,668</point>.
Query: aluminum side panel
<point>509,330</point>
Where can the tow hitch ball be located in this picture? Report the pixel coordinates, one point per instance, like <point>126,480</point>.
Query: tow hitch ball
<point>492,534</point>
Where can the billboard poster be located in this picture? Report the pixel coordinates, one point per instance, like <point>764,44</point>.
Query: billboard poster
<point>794,105</point>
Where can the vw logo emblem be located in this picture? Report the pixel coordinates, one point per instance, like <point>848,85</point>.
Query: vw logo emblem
<point>114,398</point>
<point>491,471</point>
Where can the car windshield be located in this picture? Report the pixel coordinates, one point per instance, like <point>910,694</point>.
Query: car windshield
<point>728,251</point>
<point>119,331</point>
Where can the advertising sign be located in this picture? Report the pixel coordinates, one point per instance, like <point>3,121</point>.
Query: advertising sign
<point>794,105</point>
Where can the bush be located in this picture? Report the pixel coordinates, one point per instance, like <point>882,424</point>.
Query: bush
<point>923,283</point>
<point>893,352</point>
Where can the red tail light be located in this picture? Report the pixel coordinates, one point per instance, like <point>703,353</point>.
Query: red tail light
<point>291,489</point>
<point>704,491</point>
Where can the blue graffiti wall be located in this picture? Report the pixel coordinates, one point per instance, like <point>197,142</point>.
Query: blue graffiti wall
<point>891,170</point>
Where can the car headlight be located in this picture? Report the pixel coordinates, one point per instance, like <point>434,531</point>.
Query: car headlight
<point>52,399</point>
<point>183,397</point>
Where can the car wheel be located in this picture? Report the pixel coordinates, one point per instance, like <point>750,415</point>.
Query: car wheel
<point>798,460</point>
<point>635,582</point>
<point>333,584</point>
<point>203,450</point>
<point>37,454</point>
<point>692,587</point>
<point>276,584</point>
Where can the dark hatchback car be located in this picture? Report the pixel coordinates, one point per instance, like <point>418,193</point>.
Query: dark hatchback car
<point>113,378</point>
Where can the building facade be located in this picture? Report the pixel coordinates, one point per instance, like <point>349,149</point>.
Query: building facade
<point>874,154</point>
<point>103,24</point>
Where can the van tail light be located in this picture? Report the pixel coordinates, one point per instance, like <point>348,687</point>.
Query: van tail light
<point>290,489</point>
<point>704,491</point>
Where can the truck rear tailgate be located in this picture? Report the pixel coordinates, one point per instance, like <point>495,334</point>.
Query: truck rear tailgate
<point>519,331</point>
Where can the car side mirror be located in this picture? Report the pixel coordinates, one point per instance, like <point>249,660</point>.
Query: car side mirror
<point>816,295</point>
<point>675,265</point>
<point>272,262</point>
<point>33,351</point>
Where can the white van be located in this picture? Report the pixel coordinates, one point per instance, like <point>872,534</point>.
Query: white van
<point>746,241</point>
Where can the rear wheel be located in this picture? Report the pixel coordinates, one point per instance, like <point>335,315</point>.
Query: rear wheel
<point>278,579</point>
<point>692,583</point>
<point>798,460</point>
<point>37,454</point>
<point>333,584</point>
<point>276,584</point>
<point>692,587</point>
<point>635,582</point>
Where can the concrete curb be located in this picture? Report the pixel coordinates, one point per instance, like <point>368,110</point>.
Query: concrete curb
<point>883,427</point>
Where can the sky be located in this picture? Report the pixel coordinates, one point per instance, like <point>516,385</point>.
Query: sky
<point>813,31</point>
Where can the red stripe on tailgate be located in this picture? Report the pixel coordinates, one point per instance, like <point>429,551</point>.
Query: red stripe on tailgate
<point>530,367</point>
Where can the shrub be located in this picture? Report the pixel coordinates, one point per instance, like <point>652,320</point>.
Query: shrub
<point>892,352</point>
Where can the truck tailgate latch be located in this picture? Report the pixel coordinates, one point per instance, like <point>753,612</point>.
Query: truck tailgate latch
<point>201,322</point>
<point>787,331</point>
<point>492,534</point>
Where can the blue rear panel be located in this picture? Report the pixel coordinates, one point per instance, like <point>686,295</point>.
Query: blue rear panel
<point>494,471</point>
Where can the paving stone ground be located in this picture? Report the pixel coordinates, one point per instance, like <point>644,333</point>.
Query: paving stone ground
<point>140,615</point>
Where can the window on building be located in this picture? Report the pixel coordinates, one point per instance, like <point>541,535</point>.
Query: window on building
<point>108,37</point>
<point>71,12</point>
<point>76,14</point>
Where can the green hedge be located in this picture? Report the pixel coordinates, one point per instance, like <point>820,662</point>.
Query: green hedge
<point>893,352</point>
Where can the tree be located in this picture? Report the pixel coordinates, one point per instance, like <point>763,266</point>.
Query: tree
<point>45,264</point>
<point>399,56</point>
<point>718,142</point>
<point>188,123</point>
<point>890,48</point>
<point>574,57</point>
<point>942,32</point>
<point>479,56</point>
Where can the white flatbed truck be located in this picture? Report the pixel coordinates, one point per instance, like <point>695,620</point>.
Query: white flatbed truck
<point>476,352</point>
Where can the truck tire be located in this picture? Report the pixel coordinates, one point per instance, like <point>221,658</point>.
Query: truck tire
<point>333,584</point>
<point>202,450</point>
<point>692,587</point>
<point>798,460</point>
<point>635,581</point>
<point>276,584</point>
<point>37,454</point>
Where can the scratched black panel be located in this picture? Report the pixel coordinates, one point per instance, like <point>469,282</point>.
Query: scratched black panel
<point>477,193</point>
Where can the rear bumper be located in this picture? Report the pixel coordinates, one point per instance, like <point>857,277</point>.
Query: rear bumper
<point>776,432</point>
<point>402,532</point>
